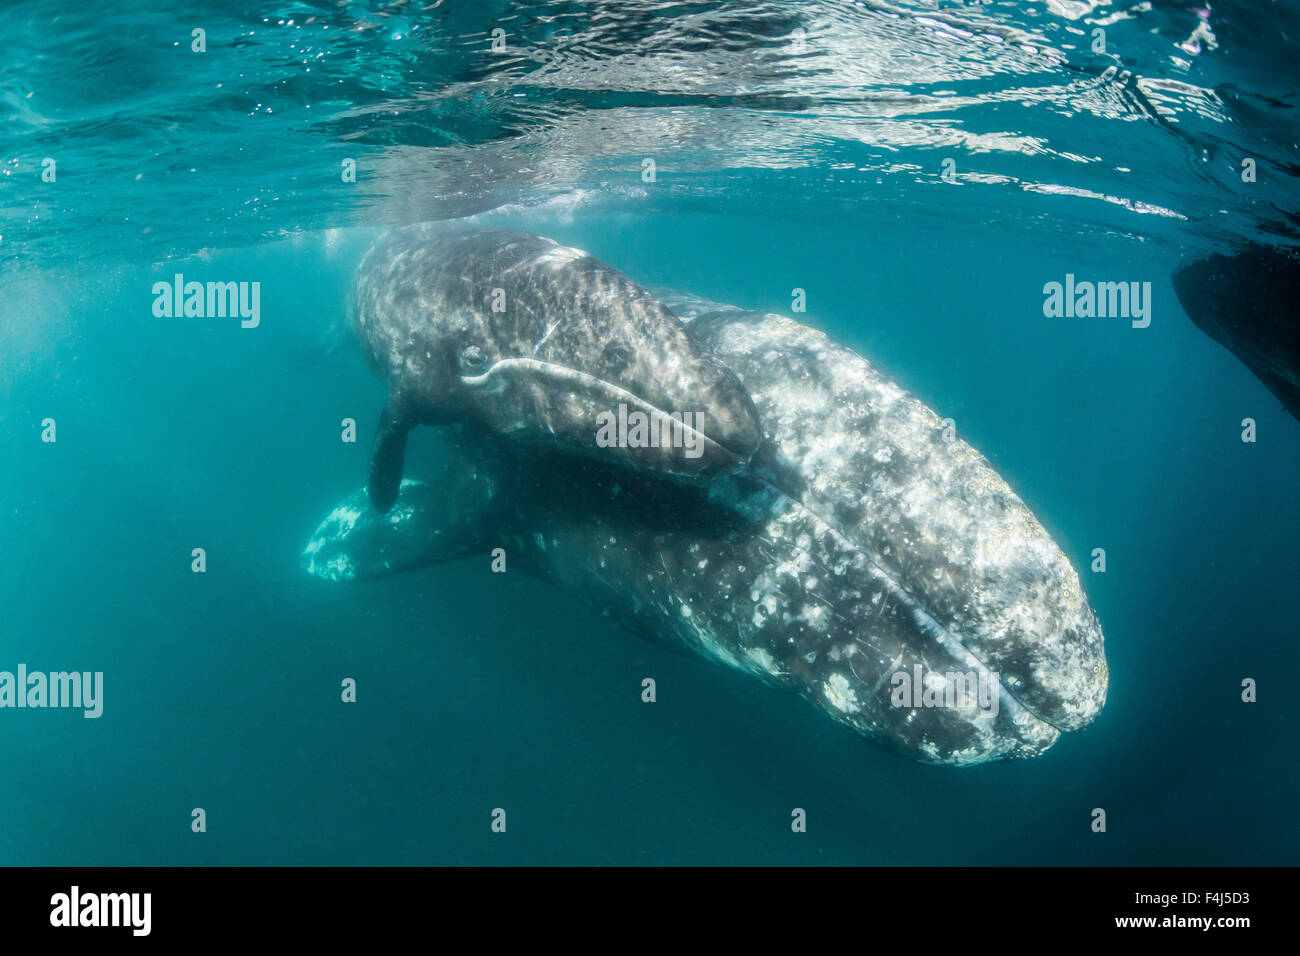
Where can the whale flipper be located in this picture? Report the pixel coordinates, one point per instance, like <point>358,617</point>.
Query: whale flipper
<point>388,453</point>
<point>1243,302</point>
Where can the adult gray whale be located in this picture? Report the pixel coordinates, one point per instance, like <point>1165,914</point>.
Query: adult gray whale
<point>860,560</point>
<point>519,335</point>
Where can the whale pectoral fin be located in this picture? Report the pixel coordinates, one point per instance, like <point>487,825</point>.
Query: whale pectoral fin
<point>1237,301</point>
<point>388,454</point>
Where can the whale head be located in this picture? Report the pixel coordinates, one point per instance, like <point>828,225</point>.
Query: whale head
<point>517,335</point>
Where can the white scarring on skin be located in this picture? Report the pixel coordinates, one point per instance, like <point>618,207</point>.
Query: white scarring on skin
<point>862,576</point>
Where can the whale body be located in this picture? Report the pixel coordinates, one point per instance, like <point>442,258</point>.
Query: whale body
<point>519,335</point>
<point>1243,302</point>
<point>858,552</point>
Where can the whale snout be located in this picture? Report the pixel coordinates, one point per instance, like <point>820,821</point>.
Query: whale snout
<point>725,430</point>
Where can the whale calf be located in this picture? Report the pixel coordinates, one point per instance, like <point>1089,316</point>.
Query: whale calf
<point>858,552</point>
<point>517,334</point>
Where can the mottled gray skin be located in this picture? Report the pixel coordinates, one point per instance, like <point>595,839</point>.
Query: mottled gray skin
<point>518,335</point>
<point>858,544</point>
<point>873,462</point>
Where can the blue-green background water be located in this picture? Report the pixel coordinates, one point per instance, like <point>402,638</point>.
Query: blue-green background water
<point>478,690</point>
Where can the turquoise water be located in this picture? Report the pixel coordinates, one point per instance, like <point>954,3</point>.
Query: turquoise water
<point>781,163</point>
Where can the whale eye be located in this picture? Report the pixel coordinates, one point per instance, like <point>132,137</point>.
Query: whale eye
<point>472,360</point>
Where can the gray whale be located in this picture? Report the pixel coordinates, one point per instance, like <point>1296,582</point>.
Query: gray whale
<point>519,335</point>
<point>857,546</point>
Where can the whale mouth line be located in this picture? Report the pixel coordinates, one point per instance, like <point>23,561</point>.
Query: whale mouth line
<point>949,640</point>
<point>927,622</point>
<point>577,381</point>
